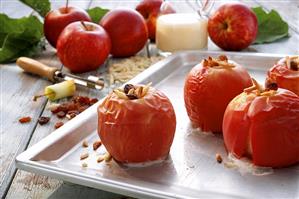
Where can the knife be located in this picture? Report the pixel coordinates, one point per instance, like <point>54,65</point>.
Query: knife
<point>55,75</point>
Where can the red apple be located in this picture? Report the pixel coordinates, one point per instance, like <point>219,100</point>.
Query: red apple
<point>127,30</point>
<point>57,20</point>
<point>136,128</point>
<point>263,126</point>
<point>233,27</point>
<point>209,87</point>
<point>83,46</point>
<point>285,74</point>
<point>151,10</point>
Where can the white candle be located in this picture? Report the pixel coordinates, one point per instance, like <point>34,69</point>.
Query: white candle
<point>176,32</point>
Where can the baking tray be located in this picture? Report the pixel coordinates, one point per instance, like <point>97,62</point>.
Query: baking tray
<point>190,171</point>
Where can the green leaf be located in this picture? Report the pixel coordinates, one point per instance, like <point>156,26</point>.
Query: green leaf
<point>19,37</point>
<point>97,13</point>
<point>40,6</point>
<point>271,26</point>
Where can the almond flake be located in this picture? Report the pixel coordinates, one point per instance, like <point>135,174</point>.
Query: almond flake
<point>146,89</point>
<point>97,144</point>
<point>84,156</point>
<point>120,94</point>
<point>100,159</point>
<point>84,143</point>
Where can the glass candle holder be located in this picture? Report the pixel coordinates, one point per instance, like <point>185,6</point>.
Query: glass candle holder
<point>177,32</point>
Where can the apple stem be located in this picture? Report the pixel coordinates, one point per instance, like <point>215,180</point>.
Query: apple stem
<point>67,5</point>
<point>43,95</point>
<point>84,25</point>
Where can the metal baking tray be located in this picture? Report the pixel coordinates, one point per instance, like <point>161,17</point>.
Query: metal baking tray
<point>190,171</point>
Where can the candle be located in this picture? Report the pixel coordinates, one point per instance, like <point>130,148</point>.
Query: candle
<point>176,32</point>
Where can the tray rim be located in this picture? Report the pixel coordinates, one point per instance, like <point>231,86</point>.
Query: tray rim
<point>23,160</point>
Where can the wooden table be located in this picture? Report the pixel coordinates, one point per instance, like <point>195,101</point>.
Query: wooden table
<point>17,89</point>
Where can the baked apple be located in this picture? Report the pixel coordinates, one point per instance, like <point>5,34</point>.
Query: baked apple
<point>209,87</point>
<point>263,126</point>
<point>285,73</point>
<point>136,124</point>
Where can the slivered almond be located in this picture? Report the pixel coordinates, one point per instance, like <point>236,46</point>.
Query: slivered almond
<point>146,89</point>
<point>84,143</point>
<point>131,91</point>
<point>84,156</point>
<point>120,94</point>
<point>97,144</point>
<point>100,159</point>
<point>288,61</point>
<point>138,92</point>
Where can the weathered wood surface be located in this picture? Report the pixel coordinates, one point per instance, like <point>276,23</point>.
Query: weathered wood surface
<point>16,101</point>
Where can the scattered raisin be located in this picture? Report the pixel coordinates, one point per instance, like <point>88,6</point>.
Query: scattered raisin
<point>43,120</point>
<point>25,119</point>
<point>82,108</point>
<point>219,158</point>
<point>96,145</point>
<point>93,101</point>
<point>58,124</point>
<point>61,114</point>
<point>55,109</point>
<point>72,114</point>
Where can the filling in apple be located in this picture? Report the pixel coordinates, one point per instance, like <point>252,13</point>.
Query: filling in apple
<point>270,89</point>
<point>131,92</point>
<point>292,63</point>
<point>221,62</point>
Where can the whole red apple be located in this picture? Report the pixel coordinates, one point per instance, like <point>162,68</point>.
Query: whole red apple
<point>57,20</point>
<point>233,27</point>
<point>127,30</point>
<point>83,46</point>
<point>151,10</point>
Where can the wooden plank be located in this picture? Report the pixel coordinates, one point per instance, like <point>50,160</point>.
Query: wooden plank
<point>17,89</point>
<point>30,185</point>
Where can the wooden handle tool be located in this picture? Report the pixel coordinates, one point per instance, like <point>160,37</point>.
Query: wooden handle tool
<point>37,68</point>
<point>55,75</point>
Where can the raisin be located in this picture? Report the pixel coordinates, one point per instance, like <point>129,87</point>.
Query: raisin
<point>55,110</point>
<point>93,101</point>
<point>58,124</point>
<point>271,85</point>
<point>128,87</point>
<point>72,114</point>
<point>25,119</point>
<point>132,96</point>
<point>294,66</point>
<point>82,100</point>
<point>61,114</point>
<point>43,120</point>
<point>82,108</point>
